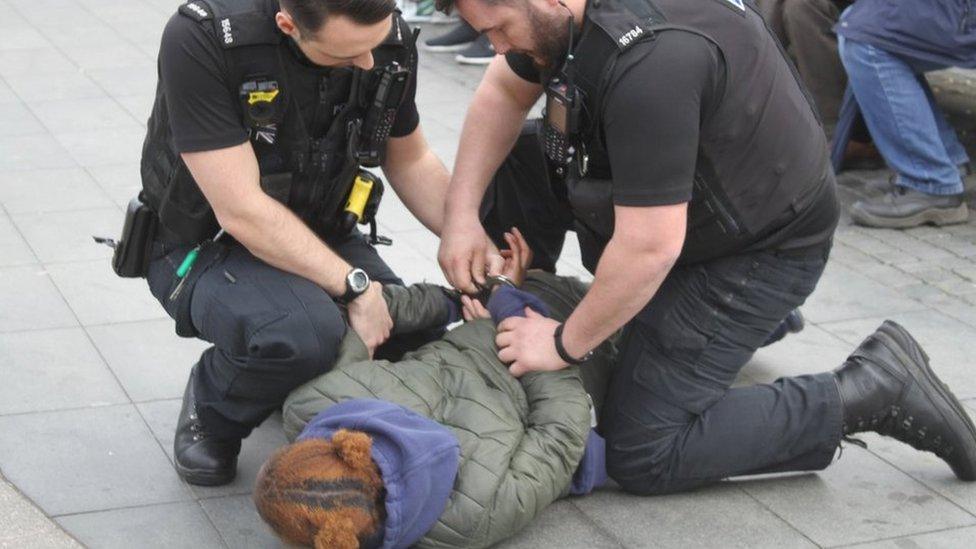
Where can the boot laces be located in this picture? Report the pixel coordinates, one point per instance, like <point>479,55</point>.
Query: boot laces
<point>891,421</point>
<point>196,426</point>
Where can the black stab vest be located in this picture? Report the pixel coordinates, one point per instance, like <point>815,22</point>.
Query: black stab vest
<point>306,167</point>
<point>725,214</point>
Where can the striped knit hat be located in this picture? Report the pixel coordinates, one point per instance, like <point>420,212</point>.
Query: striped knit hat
<point>326,493</point>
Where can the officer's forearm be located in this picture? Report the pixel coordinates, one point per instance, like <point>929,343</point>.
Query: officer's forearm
<point>278,237</point>
<point>491,127</point>
<point>625,281</point>
<point>419,178</point>
<point>646,243</point>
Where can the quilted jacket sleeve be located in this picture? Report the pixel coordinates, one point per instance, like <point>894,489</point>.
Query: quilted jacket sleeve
<point>543,464</point>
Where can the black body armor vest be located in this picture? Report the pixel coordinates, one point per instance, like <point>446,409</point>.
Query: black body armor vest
<point>729,209</point>
<point>305,164</point>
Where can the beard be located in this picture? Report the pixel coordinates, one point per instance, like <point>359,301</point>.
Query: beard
<point>550,35</point>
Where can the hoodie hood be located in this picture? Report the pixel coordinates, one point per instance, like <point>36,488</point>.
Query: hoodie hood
<point>417,458</point>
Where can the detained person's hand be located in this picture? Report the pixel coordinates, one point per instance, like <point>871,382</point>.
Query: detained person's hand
<point>528,344</point>
<point>466,254</point>
<point>517,257</point>
<point>370,317</point>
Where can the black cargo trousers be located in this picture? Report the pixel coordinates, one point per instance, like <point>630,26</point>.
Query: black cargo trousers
<point>671,419</point>
<point>271,330</point>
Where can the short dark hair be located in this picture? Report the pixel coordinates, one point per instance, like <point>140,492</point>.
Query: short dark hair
<point>310,15</point>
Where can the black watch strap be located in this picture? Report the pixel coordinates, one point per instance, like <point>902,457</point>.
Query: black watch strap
<point>558,336</point>
<point>351,292</point>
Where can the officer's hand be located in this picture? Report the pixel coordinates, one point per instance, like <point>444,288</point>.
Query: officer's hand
<point>370,317</point>
<point>528,344</point>
<point>466,254</point>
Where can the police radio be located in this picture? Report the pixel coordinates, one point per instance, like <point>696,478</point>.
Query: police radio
<point>562,115</point>
<point>393,81</point>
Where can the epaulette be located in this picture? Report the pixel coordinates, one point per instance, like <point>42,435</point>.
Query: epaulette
<point>197,10</point>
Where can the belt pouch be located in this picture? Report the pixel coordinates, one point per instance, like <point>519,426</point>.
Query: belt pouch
<point>132,253</point>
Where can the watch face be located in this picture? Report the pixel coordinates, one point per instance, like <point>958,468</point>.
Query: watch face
<point>358,280</point>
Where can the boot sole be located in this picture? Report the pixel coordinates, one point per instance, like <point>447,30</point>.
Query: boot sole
<point>205,478</point>
<point>905,347</point>
<point>934,216</point>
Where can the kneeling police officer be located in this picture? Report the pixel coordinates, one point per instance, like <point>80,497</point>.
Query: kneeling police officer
<point>264,119</point>
<point>689,160</point>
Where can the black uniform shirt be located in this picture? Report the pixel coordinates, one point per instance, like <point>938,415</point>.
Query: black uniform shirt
<point>203,113</point>
<point>659,98</point>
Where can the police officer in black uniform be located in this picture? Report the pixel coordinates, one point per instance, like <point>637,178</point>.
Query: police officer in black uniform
<point>679,145</point>
<point>264,116</point>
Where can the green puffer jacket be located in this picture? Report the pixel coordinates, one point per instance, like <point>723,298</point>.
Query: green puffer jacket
<point>521,439</point>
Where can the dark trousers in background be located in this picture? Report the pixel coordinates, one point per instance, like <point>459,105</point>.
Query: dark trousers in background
<point>271,330</point>
<point>671,420</point>
<point>804,27</point>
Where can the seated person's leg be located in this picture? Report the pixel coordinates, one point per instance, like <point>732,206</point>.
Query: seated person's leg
<point>907,130</point>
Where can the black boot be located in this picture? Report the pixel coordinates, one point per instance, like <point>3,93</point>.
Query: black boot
<point>201,458</point>
<point>886,386</point>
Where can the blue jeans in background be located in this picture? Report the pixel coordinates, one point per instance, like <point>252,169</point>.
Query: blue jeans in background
<point>908,127</point>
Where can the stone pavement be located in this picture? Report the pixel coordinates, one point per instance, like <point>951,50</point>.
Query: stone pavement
<point>91,373</point>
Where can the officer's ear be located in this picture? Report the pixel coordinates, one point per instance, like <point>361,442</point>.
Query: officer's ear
<point>287,24</point>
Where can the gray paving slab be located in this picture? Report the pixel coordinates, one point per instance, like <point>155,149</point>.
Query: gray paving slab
<point>67,235</point>
<point>859,498</point>
<point>161,417</point>
<point>40,376</point>
<point>32,152</point>
<point>844,294</point>
<point>22,38</point>
<point>51,191</point>
<point>162,526</point>
<point>137,80</point>
<point>42,86</point>
<point>121,182</point>
<point>19,120</point>
<point>946,340</point>
<point>13,248</point>
<point>954,538</point>
<point>139,106</point>
<point>104,147</point>
<point>811,351</point>
<point>924,467</point>
<point>239,524</point>
<point>148,359</point>
<point>562,524</point>
<point>24,526</point>
<point>30,301</point>
<point>69,36</point>
<point>65,116</point>
<point>14,62</point>
<point>91,459</point>
<point>719,516</point>
<point>7,93</point>
<point>97,296</point>
<point>119,53</point>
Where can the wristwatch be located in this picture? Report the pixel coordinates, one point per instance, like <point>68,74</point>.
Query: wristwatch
<point>558,335</point>
<point>357,282</point>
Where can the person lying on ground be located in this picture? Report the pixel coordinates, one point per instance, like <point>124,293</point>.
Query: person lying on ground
<point>444,448</point>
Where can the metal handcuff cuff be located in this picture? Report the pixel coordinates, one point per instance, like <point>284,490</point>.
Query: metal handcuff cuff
<point>491,282</point>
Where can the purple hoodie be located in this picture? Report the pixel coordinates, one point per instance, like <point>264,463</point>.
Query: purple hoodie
<point>417,457</point>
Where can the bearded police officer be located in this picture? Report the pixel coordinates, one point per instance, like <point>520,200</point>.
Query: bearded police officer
<point>689,161</point>
<point>264,116</point>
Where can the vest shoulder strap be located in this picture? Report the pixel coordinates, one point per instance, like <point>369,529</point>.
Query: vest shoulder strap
<point>199,11</point>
